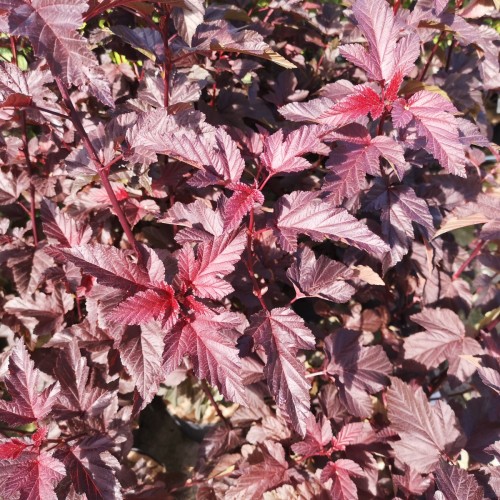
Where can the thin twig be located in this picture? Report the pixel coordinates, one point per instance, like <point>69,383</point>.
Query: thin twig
<point>477,250</point>
<point>208,394</point>
<point>431,56</point>
<point>256,288</point>
<point>100,167</point>
<point>24,133</point>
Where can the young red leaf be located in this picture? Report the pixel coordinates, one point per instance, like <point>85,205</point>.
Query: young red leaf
<point>341,472</point>
<point>282,333</point>
<point>283,154</point>
<point>456,484</point>
<point>319,435</point>
<point>427,432</point>
<point>302,212</point>
<point>243,199</point>
<point>361,101</point>
<point>209,341</point>
<point>33,475</point>
<point>22,382</point>
<point>156,303</point>
<point>12,448</point>
<point>215,259</point>
<point>321,277</point>
<point>444,339</point>
<point>435,123</point>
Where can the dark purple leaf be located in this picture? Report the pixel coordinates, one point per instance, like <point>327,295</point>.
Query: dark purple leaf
<point>456,484</point>
<point>427,432</point>
<point>281,333</point>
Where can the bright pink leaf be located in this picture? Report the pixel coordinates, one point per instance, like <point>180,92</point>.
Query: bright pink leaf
<point>436,123</point>
<point>33,475</point>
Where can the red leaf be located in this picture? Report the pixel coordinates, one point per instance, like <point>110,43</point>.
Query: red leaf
<point>302,212</point>
<point>109,265</point>
<point>243,199</point>
<point>215,259</point>
<point>284,154</point>
<point>141,351</point>
<point>282,333</point>
<point>266,474</point>
<point>61,228</point>
<point>435,123</point>
<point>22,383</point>
<point>154,304</point>
<point>412,483</point>
<point>456,484</point>
<point>348,165</point>
<point>358,369</point>
<point>426,431</point>
<point>210,343</point>
<point>317,437</point>
<point>78,396</point>
<point>52,30</point>
<point>321,277</point>
<point>91,468</point>
<point>340,472</point>
<point>32,476</point>
<point>444,339</point>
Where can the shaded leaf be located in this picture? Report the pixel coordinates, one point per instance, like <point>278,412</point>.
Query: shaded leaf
<point>321,277</point>
<point>426,431</point>
<point>456,484</point>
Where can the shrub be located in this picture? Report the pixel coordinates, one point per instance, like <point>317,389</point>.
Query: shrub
<point>289,208</point>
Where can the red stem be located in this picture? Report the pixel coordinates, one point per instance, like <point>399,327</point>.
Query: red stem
<point>100,167</point>
<point>431,56</point>
<point>477,250</point>
<point>208,394</point>
<point>13,48</point>
<point>30,173</point>
<point>167,64</point>
<point>256,289</point>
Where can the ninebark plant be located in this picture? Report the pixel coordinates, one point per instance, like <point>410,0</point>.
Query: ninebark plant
<point>291,206</point>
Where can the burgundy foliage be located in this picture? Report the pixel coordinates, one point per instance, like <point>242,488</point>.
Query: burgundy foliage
<point>287,211</point>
